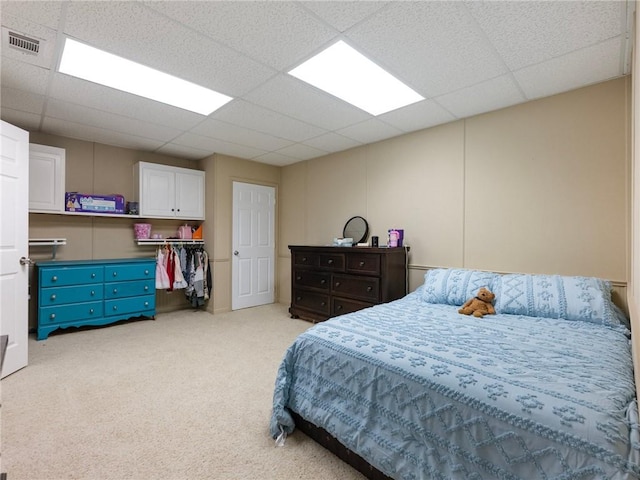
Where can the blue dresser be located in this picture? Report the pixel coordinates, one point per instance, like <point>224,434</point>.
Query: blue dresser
<point>94,292</point>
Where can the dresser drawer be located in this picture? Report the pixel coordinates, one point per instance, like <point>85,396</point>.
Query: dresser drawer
<point>362,288</point>
<point>302,259</point>
<point>312,279</point>
<point>316,302</point>
<point>125,306</point>
<point>76,294</point>
<point>114,273</point>
<point>340,306</point>
<point>69,313</point>
<point>364,264</point>
<point>129,289</point>
<point>52,277</point>
<point>332,261</point>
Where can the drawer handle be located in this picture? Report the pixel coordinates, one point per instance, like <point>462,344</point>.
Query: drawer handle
<point>146,304</point>
<point>337,284</point>
<point>323,281</point>
<point>298,299</point>
<point>369,288</point>
<point>362,263</point>
<point>115,274</point>
<point>304,259</point>
<point>115,290</point>
<point>298,278</point>
<point>93,292</point>
<point>53,297</point>
<point>146,272</point>
<point>91,310</point>
<point>115,307</point>
<point>330,262</point>
<point>54,279</point>
<point>93,275</point>
<point>322,304</point>
<point>52,316</point>
<point>338,307</point>
<point>146,287</point>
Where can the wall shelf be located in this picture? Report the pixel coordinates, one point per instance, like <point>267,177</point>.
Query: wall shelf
<point>48,242</point>
<point>164,241</point>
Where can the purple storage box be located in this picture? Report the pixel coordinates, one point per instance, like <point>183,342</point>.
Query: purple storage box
<point>91,203</point>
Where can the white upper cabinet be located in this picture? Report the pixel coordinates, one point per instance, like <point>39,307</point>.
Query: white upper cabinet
<point>169,192</point>
<point>46,178</point>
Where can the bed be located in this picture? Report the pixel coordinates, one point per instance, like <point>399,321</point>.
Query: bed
<point>412,389</point>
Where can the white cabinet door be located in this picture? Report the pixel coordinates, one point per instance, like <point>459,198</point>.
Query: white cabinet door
<point>46,178</point>
<point>157,192</point>
<point>190,195</point>
<point>170,192</point>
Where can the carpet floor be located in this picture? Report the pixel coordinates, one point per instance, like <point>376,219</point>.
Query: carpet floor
<point>185,396</point>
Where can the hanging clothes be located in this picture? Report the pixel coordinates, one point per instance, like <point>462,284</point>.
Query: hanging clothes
<point>162,278</point>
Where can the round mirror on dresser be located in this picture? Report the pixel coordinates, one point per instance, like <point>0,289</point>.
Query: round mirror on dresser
<point>356,228</point>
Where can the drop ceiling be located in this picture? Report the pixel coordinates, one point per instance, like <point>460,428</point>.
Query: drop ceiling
<point>464,57</point>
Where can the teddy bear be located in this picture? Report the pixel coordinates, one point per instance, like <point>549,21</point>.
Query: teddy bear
<point>479,305</point>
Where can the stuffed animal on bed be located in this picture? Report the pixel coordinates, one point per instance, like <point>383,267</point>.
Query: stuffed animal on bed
<point>479,305</point>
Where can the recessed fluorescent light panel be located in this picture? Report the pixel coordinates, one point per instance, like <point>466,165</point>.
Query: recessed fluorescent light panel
<point>98,66</point>
<point>343,72</point>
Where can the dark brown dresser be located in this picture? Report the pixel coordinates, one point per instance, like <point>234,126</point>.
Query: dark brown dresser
<point>331,281</point>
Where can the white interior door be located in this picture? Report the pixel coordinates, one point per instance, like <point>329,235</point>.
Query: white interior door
<point>14,245</point>
<point>253,243</point>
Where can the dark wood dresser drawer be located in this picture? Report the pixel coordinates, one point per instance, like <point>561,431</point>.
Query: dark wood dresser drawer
<point>305,259</point>
<point>364,288</point>
<point>333,262</point>
<point>363,263</point>
<point>340,306</point>
<point>316,302</point>
<point>312,279</point>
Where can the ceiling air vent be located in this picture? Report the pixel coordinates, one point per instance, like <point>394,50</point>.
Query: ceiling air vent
<point>24,44</point>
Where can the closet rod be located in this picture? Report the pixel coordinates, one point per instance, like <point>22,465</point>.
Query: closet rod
<point>164,241</point>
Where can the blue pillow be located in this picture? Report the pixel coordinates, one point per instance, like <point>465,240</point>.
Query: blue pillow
<point>454,286</point>
<point>553,296</point>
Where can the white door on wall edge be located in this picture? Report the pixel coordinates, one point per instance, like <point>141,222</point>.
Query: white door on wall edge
<point>253,245</point>
<point>14,245</point>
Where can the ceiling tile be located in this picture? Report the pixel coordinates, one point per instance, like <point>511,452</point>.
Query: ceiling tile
<point>301,151</point>
<point>263,120</point>
<point>240,135</point>
<point>274,158</point>
<point>22,76</point>
<point>434,47</point>
<point>417,116</point>
<point>182,151</point>
<point>292,97</point>
<point>131,30</point>
<point>116,123</point>
<point>277,34</point>
<point>370,131</point>
<point>484,97</point>
<point>217,146</point>
<point>80,131</point>
<point>332,142</point>
<point>344,15</point>
<point>574,70</point>
<point>41,12</point>
<point>96,96</point>
<point>26,120</point>
<point>21,100</point>
<point>526,33</point>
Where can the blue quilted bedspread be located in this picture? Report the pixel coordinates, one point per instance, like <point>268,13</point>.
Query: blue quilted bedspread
<point>420,391</point>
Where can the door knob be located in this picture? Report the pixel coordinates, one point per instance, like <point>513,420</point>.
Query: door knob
<point>236,253</point>
<point>26,261</point>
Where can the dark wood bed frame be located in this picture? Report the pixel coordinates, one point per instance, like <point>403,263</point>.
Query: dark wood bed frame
<point>329,442</point>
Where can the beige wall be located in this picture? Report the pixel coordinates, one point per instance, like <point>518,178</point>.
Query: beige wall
<point>540,187</point>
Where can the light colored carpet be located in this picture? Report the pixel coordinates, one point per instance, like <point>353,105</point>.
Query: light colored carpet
<point>185,396</point>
